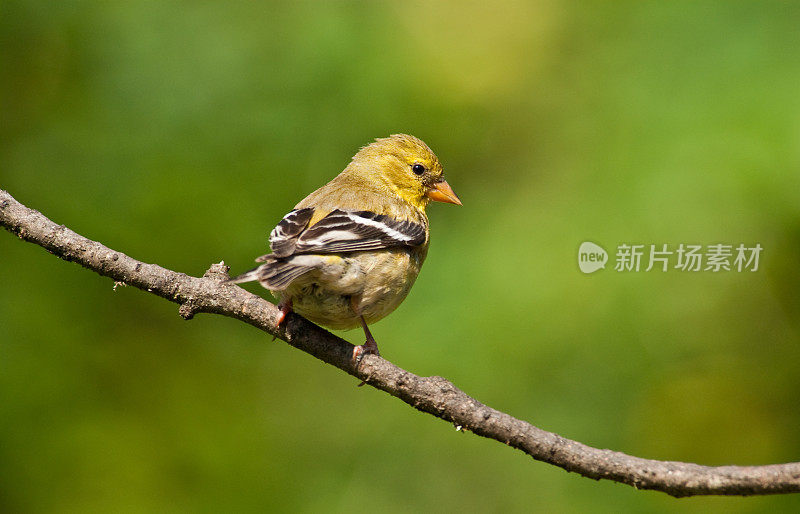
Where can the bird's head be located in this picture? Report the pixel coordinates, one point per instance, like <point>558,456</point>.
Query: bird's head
<point>406,166</point>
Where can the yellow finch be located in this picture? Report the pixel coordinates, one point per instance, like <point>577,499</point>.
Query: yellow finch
<point>349,253</point>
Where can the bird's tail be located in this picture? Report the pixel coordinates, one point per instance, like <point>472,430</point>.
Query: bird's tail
<point>245,277</point>
<point>275,274</point>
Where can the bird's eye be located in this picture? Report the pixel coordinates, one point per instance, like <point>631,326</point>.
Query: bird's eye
<point>418,169</point>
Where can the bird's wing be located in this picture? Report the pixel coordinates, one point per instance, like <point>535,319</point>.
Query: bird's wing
<point>342,231</point>
<point>283,238</point>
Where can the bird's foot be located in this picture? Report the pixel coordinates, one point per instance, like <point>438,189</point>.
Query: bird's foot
<point>286,308</point>
<point>369,347</point>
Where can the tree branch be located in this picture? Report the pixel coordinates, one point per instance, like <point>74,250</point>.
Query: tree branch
<point>434,395</point>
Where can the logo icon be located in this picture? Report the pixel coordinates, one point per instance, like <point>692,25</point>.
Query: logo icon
<point>591,257</point>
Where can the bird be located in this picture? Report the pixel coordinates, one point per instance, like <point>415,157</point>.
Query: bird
<point>348,254</point>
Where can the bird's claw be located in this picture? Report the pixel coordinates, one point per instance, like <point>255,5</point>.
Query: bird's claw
<point>369,347</point>
<point>286,308</point>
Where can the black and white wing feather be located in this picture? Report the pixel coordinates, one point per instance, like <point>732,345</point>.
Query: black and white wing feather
<point>352,231</point>
<point>284,236</point>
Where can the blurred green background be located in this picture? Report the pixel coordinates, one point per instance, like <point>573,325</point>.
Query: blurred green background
<point>181,132</point>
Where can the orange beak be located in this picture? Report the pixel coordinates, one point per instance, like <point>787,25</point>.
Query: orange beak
<point>442,192</point>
